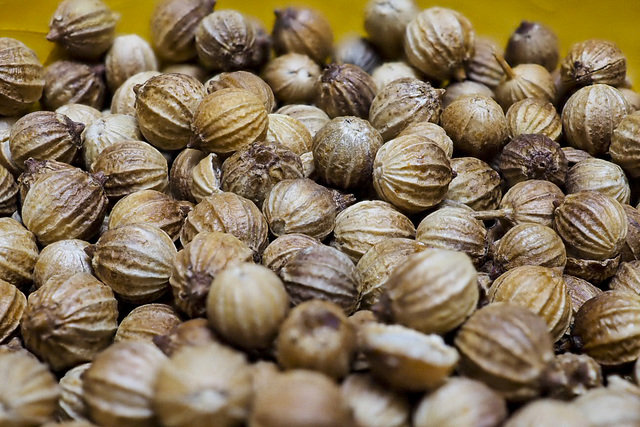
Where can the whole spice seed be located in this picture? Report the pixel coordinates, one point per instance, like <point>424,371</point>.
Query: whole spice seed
<point>302,30</point>
<point>173,26</point>
<point>533,43</point>
<point>403,102</point>
<point>85,29</point>
<point>345,90</point>
<point>69,82</point>
<point>433,291</point>
<point>439,42</point>
<point>385,22</point>
<point>69,320</point>
<point>22,77</point>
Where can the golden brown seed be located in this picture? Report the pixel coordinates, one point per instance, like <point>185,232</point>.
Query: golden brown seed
<point>252,171</point>
<point>146,322</point>
<point>12,307</point>
<point>226,41</point>
<point>344,151</point>
<point>533,157</point>
<point>292,77</point>
<point>228,213</point>
<point>29,391</point>
<point>302,30</point>
<point>390,71</point>
<point>22,77</point>
<point>317,336</point>
<point>192,333</point>
<point>607,327</point>
<point>322,272</point>
<point>119,385</point>
<point>373,404</point>
<point>461,401</point>
<point>69,320</point>
<point>625,144</point>
<point>385,22</point>
<point>476,124</point>
<point>412,173</point>
<point>454,229</point>
<point>85,29</point>
<point>377,264</point>
<point>532,201</point>
<point>467,87</point>
<point>135,261</point>
<point>284,402</point>
<point>166,106</point>
<point>508,348</point>
<point>198,264</point>
<point>539,289</point>
<point>366,223</point>
<point>530,244</point>
<point>131,166</point>
<point>129,55</point>
<point>71,404</point>
<point>404,102</point>
<point>173,26</point>
<point>283,248</point>
<point>62,258</point>
<point>18,252</point>
<point>580,291</point>
<point>246,305</point>
<point>243,80</point>
<point>69,204</point>
<point>69,82</point>
<point>575,155</point>
<point>593,62</point>
<point>547,412</point>
<point>433,291</point>
<point>228,120</point>
<point>483,66</point>
<point>592,225</point>
<point>150,207</point>
<point>606,407</point>
<point>627,277</point>
<point>345,90</point>
<point>291,132</point>
<point>533,43</point>
<point>475,184</point>
<point>599,175</point>
<point>312,118</point>
<point>124,99</point>
<point>203,385</point>
<point>590,116</point>
<point>407,359</point>
<point>522,82</point>
<point>206,177</point>
<point>534,115</point>
<point>358,51</point>
<point>106,131</point>
<point>439,42</point>
<point>181,174</point>
<point>45,135</point>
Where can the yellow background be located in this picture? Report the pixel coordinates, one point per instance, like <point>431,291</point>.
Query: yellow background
<point>573,20</point>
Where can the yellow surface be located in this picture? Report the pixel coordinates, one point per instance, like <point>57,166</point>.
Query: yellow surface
<point>573,20</point>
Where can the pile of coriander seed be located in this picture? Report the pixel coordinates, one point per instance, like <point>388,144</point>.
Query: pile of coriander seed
<point>232,226</point>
